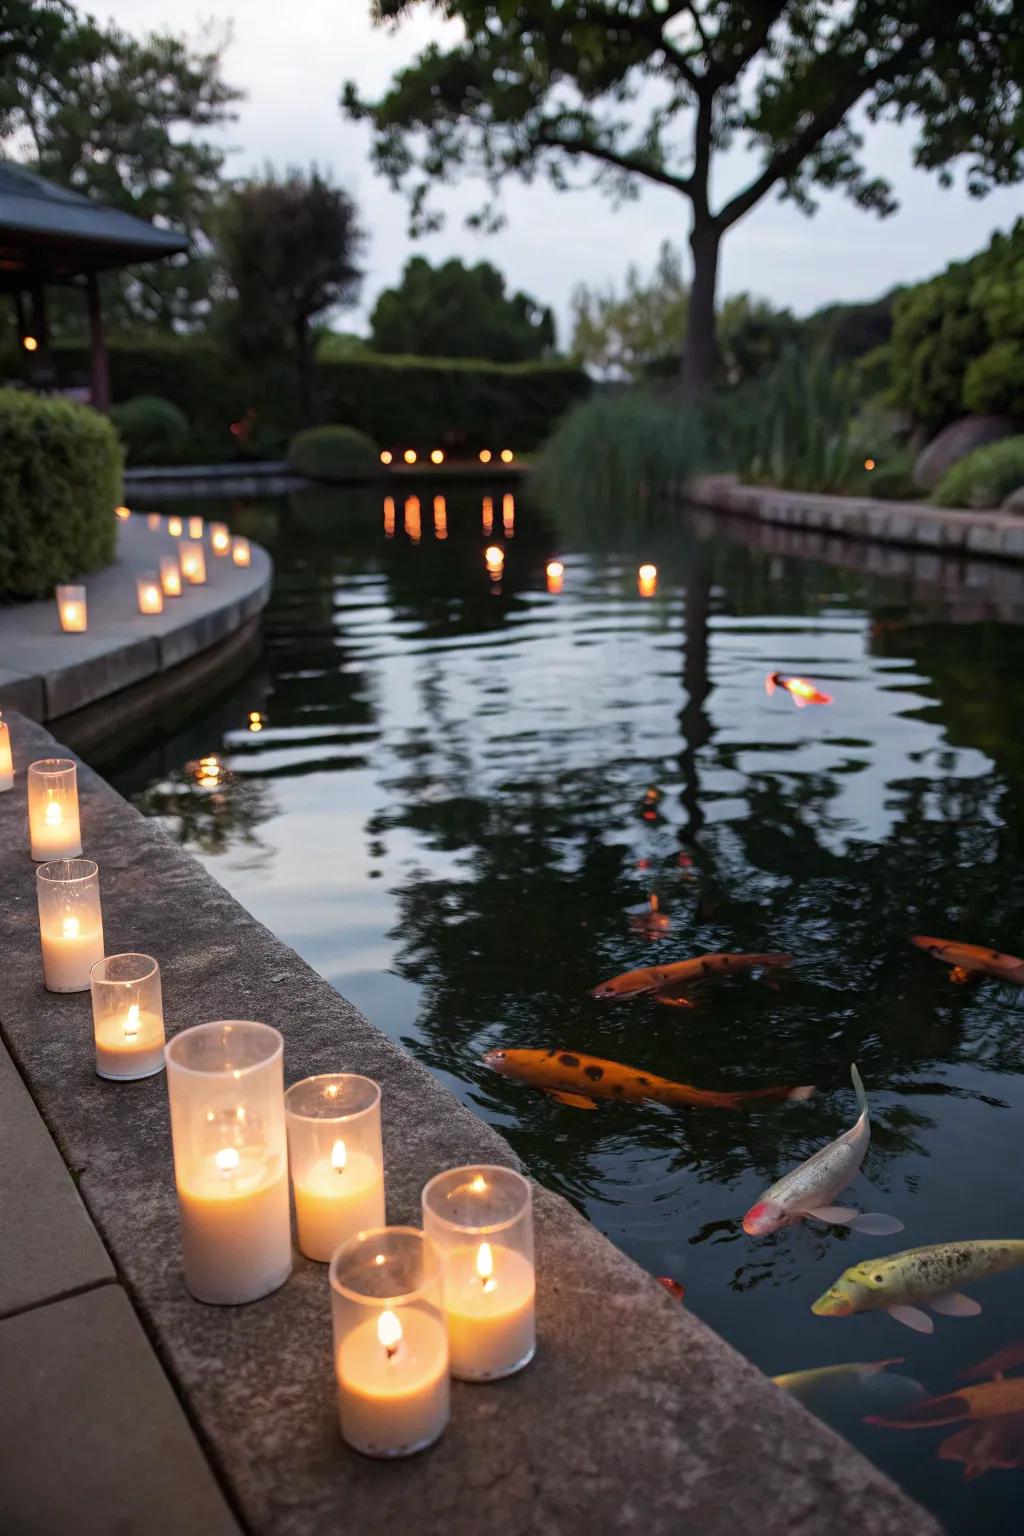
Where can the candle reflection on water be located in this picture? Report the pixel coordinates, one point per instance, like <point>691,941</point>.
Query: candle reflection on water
<point>389,517</point>
<point>440,518</point>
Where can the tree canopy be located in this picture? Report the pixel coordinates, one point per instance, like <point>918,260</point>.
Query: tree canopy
<point>654,90</point>
<point>627,332</point>
<point>459,311</point>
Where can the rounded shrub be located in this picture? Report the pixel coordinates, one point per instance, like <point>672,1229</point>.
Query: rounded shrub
<point>332,453</point>
<point>983,478</point>
<point>60,480</point>
<point>154,431</point>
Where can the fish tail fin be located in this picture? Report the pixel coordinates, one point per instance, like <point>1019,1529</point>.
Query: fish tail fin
<point>800,1094</point>
<point>862,1098</point>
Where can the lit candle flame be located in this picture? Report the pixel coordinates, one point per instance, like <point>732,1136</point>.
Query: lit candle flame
<point>409,456</point>
<point>647,580</point>
<point>479,1184</point>
<point>71,927</point>
<point>122,512</point>
<point>339,1157</point>
<point>485,455</point>
<point>54,814</point>
<point>174,527</point>
<point>437,457</point>
<point>506,455</point>
<point>221,540</point>
<point>485,1266</point>
<point>389,1332</point>
<point>131,1023</point>
<point>151,595</point>
<point>386,456</point>
<point>494,557</point>
<point>71,613</point>
<point>226,1159</point>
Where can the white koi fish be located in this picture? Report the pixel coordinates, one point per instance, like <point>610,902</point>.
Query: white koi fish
<point>810,1189</point>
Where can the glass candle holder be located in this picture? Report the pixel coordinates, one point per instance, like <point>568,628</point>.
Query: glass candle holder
<point>481,1222</point>
<point>170,575</point>
<point>153,522</point>
<point>70,923</point>
<point>175,527</point>
<point>390,1342</point>
<point>150,593</point>
<point>226,1089</point>
<point>336,1159</point>
<point>220,538</point>
<point>53,824</point>
<point>6,758</point>
<point>195,527</point>
<point>72,610</point>
<point>193,562</point>
<point>241,551</point>
<point>127,1017</point>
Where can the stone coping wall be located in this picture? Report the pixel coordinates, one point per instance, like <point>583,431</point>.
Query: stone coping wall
<point>634,1417</point>
<point>47,674</point>
<point>991,533</point>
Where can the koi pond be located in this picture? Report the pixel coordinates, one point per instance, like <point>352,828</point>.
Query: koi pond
<point>454,782</point>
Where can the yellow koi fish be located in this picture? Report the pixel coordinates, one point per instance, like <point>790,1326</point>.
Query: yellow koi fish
<point>971,959</point>
<point>669,978</point>
<point>919,1274</point>
<point>578,1080</point>
<point>806,1381</point>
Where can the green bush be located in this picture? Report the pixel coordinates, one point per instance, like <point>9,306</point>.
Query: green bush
<point>153,431</point>
<point>332,453</point>
<point>612,460</point>
<point>799,432</point>
<point>60,480</point>
<point>892,478</point>
<point>983,478</point>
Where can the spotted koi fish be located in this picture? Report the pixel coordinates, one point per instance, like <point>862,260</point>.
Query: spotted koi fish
<point>799,689</point>
<point>578,1081</point>
<point>919,1274</point>
<point>971,959</point>
<point>681,973</point>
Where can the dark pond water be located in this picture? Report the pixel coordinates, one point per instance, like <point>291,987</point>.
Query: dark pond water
<point>463,789</point>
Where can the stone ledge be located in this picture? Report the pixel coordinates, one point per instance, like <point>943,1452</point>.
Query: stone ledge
<point>634,1418</point>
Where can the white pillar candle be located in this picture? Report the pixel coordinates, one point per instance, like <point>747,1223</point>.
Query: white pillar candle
<point>220,538</point>
<point>336,1159</point>
<point>53,823</point>
<point>6,758</point>
<point>170,575</point>
<point>72,610</point>
<point>150,593</point>
<point>70,923</point>
<point>241,552</point>
<point>390,1342</point>
<point>230,1159</point>
<point>481,1221</point>
<point>128,1018</point>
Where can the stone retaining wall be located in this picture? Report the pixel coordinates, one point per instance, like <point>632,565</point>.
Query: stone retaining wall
<point>634,1417</point>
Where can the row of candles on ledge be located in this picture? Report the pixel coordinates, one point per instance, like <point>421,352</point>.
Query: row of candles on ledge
<point>187,567</point>
<point>410,1308</point>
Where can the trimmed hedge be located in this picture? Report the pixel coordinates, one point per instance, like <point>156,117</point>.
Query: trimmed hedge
<point>332,453</point>
<point>983,478</point>
<point>404,402</point>
<point>153,431</point>
<point>60,480</point>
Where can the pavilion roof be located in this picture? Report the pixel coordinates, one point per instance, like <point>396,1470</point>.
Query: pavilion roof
<point>53,234</point>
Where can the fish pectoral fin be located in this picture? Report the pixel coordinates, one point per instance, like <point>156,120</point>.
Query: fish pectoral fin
<point>876,1224</point>
<point>573,1100</point>
<point>673,1000</point>
<point>955,1304</point>
<point>834,1215</point>
<point>912,1317</point>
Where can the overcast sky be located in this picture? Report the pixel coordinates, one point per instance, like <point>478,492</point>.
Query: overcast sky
<point>291,56</point>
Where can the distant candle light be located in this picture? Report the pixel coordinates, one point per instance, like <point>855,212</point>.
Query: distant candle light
<point>409,456</point>
<point>507,455</point>
<point>387,456</point>
<point>436,456</point>
<point>122,512</point>
<point>30,343</point>
<point>485,455</point>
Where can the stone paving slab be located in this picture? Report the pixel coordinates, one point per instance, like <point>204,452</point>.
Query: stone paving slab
<point>46,674</point>
<point>49,1247</point>
<point>94,1440</point>
<point>634,1418</point>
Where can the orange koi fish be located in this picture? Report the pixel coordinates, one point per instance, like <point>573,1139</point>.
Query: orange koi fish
<point>999,1364</point>
<point>993,1445</point>
<point>668,978</point>
<point>578,1080</point>
<point>971,959</point>
<point>990,1400</point>
<point>800,691</point>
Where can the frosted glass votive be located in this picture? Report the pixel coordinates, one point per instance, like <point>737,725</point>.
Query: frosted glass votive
<point>70,923</point>
<point>241,552</point>
<point>193,562</point>
<point>128,1017</point>
<point>336,1159</point>
<point>220,538</point>
<point>170,575</point>
<point>72,609</point>
<point>150,593</point>
<point>53,821</point>
<point>6,758</point>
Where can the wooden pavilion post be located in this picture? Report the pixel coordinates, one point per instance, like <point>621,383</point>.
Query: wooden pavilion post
<point>99,363</point>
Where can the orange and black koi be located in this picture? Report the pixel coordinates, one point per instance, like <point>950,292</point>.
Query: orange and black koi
<point>680,973</point>
<point>799,689</point>
<point>971,959</point>
<point>578,1080</point>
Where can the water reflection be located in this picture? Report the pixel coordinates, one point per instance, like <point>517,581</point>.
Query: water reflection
<point>464,792</point>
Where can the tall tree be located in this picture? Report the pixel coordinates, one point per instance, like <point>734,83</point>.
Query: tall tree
<point>458,311</point>
<point>289,249</point>
<point>125,120</point>
<point>652,91</point>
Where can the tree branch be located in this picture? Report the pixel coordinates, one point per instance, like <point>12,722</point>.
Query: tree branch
<point>639,167</point>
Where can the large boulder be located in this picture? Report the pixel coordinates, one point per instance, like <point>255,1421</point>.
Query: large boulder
<point>955,442</point>
<point>1015,501</point>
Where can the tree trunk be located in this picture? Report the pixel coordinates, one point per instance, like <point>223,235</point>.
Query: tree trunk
<point>700,350</point>
<point>305,364</point>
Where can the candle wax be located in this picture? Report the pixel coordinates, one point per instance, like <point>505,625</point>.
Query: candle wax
<point>392,1405</point>
<point>130,1047</point>
<point>235,1232</point>
<point>6,760</point>
<point>55,831</point>
<point>68,957</point>
<point>333,1204</point>
<point>490,1323</point>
